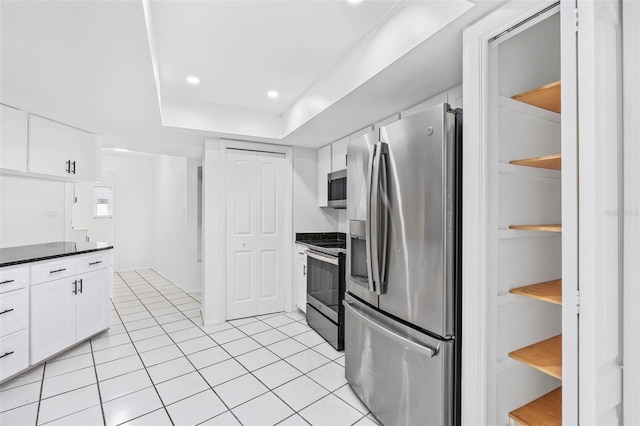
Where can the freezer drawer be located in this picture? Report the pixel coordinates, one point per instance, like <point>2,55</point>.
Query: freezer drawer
<point>403,376</point>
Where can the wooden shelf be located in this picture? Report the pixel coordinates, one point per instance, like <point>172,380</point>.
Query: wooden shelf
<point>545,356</point>
<point>549,291</point>
<point>544,228</point>
<point>552,162</point>
<point>545,97</point>
<point>546,410</point>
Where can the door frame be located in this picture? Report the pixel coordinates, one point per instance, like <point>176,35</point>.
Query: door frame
<point>479,367</point>
<point>214,224</point>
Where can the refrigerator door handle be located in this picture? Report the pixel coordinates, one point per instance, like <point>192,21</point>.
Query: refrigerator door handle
<point>384,221</point>
<point>373,222</point>
<point>379,222</point>
<point>368,221</point>
<point>430,352</point>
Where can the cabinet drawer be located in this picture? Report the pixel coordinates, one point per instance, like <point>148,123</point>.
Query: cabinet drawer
<point>92,262</point>
<point>53,270</point>
<point>14,311</point>
<point>14,353</point>
<point>13,278</point>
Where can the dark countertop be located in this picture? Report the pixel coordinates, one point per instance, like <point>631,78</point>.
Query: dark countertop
<point>33,253</point>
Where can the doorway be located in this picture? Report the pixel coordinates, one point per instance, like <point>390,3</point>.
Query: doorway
<point>255,233</point>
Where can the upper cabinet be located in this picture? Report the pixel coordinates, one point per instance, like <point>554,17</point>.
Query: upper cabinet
<point>324,168</point>
<point>63,151</point>
<point>13,134</point>
<point>339,154</point>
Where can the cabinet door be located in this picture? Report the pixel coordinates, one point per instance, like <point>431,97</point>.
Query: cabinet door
<point>339,154</point>
<point>52,318</point>
<point>13,134</point>
<point>324,168</point>
<point>300,279</point>
<point>92,303</point>
<point>62,151</point>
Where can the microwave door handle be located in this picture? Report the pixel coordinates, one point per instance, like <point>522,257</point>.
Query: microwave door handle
<point>374,202</point>
<point>368,220</point>
<point>383,205</point>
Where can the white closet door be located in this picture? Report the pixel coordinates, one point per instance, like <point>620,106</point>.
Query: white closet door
<point>600,211</point>
<point>255,238</point>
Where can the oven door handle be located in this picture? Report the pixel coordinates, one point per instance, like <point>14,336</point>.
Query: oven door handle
<point>323,258</point>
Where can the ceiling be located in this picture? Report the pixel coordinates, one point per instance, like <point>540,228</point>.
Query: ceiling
<point>119,68</point>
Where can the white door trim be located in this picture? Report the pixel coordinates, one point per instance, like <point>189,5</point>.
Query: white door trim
<point>479,304</point>
<point>631,107</point>
<point>215,221</point>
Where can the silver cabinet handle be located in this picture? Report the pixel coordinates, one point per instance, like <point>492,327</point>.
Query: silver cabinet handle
<point>95,263</point>
<point>80,285</point>
<point>304,270</point>
<point>57,270</point>
<point>323,258</point>
<point>75,287</point>
<point>6,354</point>
<point>6,310</point>
<point>7,281</point>
<point>430,352</point>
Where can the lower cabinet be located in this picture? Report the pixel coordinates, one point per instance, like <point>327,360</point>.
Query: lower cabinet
<point>68,310</point>
<point>300,279</point>
<point>14,320</point>
<point>52,318</point>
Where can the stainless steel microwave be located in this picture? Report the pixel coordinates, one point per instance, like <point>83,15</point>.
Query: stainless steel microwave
<point>337,189</point>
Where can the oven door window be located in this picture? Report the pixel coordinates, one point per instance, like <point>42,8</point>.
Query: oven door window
<point>323,282</point>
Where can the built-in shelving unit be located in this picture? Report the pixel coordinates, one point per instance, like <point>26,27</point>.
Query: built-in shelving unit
<point>552,162</point>
<point>550,291</point>
<point>546,410</point>
<point>543,228</point>
<point>545,97</point>
<point>545,355</point>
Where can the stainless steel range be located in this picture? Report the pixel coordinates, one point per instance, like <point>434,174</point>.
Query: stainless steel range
<point>326,288</point>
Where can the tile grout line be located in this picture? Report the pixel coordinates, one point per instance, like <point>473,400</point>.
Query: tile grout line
<point>144,367</point>
<point>95,371</point>
<point>44,368</point>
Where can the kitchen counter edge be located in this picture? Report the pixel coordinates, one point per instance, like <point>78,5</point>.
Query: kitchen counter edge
<point>80,249</point>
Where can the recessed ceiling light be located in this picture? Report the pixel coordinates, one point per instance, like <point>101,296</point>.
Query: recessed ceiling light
<point>354,1</point>
<point>121,149</point>
<point>273,94</point>
<point>193,80</point>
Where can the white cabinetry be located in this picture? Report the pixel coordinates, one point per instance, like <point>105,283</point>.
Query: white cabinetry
<point>14,320</point>
<point>62,151</point>
<point>324,168</point>
<point>13,137</point>
<point>339,154</point>
<point>67,310</point>
<point>300,278</point>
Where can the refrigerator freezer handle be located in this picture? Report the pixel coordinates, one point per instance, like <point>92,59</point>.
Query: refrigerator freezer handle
<point>368,220</point>
<point>430,352</point>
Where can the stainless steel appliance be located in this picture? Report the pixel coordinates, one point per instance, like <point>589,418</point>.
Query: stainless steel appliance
<point>402,307</point>
<point>325,291</point>
<point>337,189</point>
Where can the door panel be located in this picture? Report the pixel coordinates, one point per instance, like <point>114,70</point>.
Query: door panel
<point>359,153</point>
<point>92,303</point>
<point>255,238</point>
<point>403,376</point>
<point>420,281</point>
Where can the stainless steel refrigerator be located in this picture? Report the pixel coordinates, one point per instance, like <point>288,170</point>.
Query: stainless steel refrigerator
<point>402,307</point>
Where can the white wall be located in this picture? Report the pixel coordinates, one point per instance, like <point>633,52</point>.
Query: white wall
<point>307,216</point>
<point>173,233</point>
<point>32,211</point>
<point>133,210</point>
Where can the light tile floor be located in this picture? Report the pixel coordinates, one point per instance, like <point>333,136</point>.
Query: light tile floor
<point>157,364</point>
